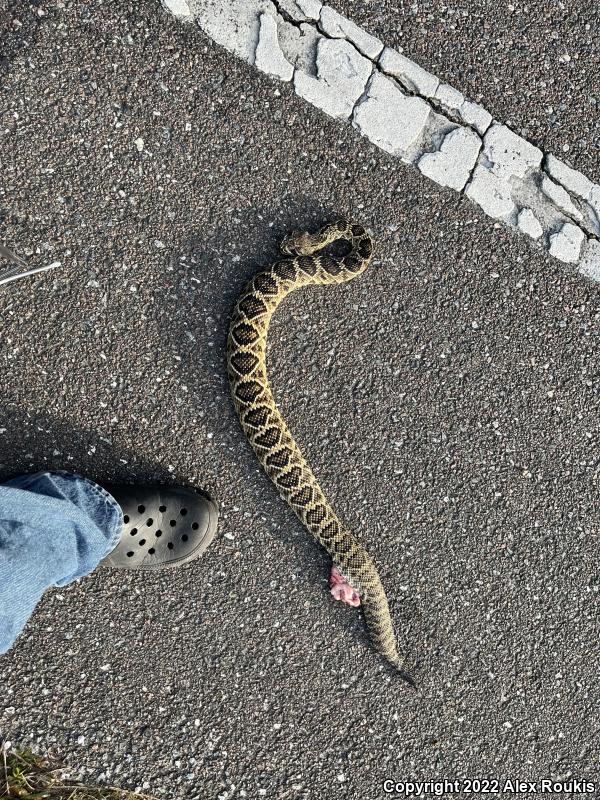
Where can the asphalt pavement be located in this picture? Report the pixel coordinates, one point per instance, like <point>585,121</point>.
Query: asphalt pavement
<point>447,400</point>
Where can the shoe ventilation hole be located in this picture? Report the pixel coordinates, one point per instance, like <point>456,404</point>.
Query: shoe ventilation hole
<point>195,526</point>
<point>184,538</point>
<point>172,523</point>
<point>183,512</point>
<point>149,521</point>
<point>129,554</point>
<point>158,533</point>
<point>133,531</point>
<point>141,509</point>
<point>142,542</point>
<point>126,519</point>
<point>170,545</point>
<point>162,509</point>
<point>151,551</point>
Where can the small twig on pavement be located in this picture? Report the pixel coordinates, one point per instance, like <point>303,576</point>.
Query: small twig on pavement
<point>14,273</point>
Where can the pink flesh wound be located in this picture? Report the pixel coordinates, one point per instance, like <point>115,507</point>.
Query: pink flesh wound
<point>341,589</point>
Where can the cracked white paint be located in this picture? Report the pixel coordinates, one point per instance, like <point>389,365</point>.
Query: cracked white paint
<point>419,81</point>
<point>528,223</point>
<point>449,97</point>
<point>342,74</point>
<point>406,111</point>
<point>560,197</point>
<point>509,154</point>
<point>566,243</point>
<point>302,10</point>
<point>337,26</point>
<point>180,9</point>
<point>312,8</point>
<point>453,163</point>
<point>453,102</point>
<point>268,55</point>
<point>580,187</point>
<point>299,46</point>
<point>492,193</point>
<point>475,116</point>
<point>410,75</point>
<point>392,120</point>
<point>590,260</point>
<point>234,24</point>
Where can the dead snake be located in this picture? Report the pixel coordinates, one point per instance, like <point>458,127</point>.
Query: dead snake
<point>354,577</point>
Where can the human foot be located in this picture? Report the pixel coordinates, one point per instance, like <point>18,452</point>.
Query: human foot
<point>163,526</point>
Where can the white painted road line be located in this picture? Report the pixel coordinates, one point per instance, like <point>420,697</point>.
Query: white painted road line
<point>411,114</point>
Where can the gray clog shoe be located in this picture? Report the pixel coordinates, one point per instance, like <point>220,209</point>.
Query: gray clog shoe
<point>164,526</point>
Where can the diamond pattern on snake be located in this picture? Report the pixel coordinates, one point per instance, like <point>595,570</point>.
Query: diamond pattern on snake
<point>354,577</point>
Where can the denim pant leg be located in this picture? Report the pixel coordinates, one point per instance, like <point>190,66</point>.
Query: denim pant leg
<point>55,527</point>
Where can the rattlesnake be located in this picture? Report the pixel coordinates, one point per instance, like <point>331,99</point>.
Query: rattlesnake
<point>354,577</point>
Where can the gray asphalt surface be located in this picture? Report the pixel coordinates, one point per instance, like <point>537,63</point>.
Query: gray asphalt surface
<point>448,401</point>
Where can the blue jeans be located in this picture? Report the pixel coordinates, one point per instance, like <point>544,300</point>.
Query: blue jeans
<point>55,527</point>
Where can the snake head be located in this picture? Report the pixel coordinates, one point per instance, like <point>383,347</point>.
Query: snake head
<point>298,243</point>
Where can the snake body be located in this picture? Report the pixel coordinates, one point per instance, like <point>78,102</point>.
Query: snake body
<point>265,428</point>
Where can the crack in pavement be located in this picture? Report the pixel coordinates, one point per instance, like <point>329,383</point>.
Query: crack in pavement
<point>408,112</point>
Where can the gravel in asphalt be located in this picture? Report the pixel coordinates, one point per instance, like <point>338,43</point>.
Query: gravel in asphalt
<point>447,400</point>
